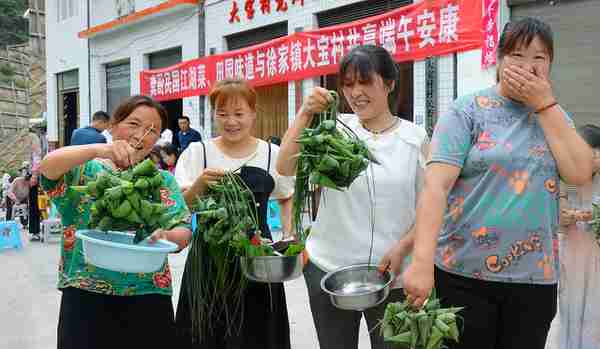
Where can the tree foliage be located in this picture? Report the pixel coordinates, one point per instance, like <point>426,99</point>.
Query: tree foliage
<point>13,27</point>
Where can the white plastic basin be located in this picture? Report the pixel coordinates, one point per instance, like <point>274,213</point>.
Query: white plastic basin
<point>116,251</point>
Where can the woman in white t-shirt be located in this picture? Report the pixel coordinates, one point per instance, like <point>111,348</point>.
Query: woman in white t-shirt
<point>341,234</point>
<point>264,319</point>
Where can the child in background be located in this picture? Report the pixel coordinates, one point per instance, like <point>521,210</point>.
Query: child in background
<point>169,156</point>
<point>155,155</point>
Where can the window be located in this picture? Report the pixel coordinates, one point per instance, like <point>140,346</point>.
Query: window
<point>118,84</point>
<point>68,80</point>
<point>67,9</point>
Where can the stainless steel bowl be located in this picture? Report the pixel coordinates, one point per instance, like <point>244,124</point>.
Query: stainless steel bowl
<point>272,268</point>
<point>357,287</point>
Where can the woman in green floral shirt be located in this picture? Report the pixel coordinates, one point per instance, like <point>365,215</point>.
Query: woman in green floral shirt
<point>102,308</point>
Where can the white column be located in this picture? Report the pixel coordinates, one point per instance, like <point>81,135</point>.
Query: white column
<point>419,92</point>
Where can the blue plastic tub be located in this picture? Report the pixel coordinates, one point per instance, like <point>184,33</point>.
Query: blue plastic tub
<point>116,251</point>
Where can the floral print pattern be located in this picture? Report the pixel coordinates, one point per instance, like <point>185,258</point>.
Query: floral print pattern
<point>73,270</point>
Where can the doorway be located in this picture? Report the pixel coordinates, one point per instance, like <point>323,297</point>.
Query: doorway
<point>174,111</point>
<point>68,105</point>
<point>69,113</point>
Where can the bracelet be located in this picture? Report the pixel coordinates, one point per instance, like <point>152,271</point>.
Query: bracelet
<point>543,109</point>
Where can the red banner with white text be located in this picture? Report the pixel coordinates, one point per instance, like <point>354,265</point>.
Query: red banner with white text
<point>429,28</point>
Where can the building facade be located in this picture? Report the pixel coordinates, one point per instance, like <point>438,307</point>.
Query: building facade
<point>95,55</point>
<point>576,52</point>
<point>427,88</point>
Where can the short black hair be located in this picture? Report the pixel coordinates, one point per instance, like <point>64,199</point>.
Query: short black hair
<point>522,32</point>
<point>364,61</point>
<point>184,118</point>
<point>101,115</point>
<point>590,134</point>
<point>170,149</point>
<point>275,140</point>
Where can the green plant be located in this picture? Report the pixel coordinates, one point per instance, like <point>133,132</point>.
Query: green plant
<point>7,70</point>
<point>21,83</point>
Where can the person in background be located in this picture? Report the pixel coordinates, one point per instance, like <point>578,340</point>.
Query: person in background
<point>487,219</point>
<point>156,156</point>
<point>19,192</point>
<point>5,187</point>
<point>169,157</point>
<point>101,308</point>
<point>577,325</point>
<point>93,133</point>
<point>186,134</point>
<point>33,209</point>
<point>166,137</point>
<point>106,133</point>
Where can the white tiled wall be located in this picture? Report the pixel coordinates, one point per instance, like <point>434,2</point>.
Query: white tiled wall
<point>445,83</point>
<point>64,52</point>
<point>419,92</point>
<point>178,29</point>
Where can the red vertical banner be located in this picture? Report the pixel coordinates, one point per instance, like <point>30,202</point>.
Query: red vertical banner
<point>490,33</point>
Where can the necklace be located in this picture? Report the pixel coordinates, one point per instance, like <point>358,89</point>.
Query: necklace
<point>377,133</point>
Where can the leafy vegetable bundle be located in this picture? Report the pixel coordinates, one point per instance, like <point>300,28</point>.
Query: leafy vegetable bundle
<point>128,200</point>
<point>423,329</point>
<point>227,217</point>
<point>329,157</point>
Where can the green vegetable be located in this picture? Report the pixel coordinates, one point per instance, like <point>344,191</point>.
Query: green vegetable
<point>142,184</point>
<point>126,187</point>
<point>330,156</point>
<point>156,181</point>
<point>135,200</point>
<point>145,168</point>
<point>146,209</point>
<point>423,329</point>
<point>105,223</point>
<point>133,217</point>
<point>123,210</point>
<point>121,201</point>
<point>114,194</point>
<point>294,249</point>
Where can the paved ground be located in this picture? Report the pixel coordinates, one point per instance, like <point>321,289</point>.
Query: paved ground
<point>29,301</point>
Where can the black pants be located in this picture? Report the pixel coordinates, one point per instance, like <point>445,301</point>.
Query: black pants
<point>91,320</point>
<point>498,315</point>
<point>264,323</point>
<point>337,328</point>
<point>9,206</point>
<point>34,211</point>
